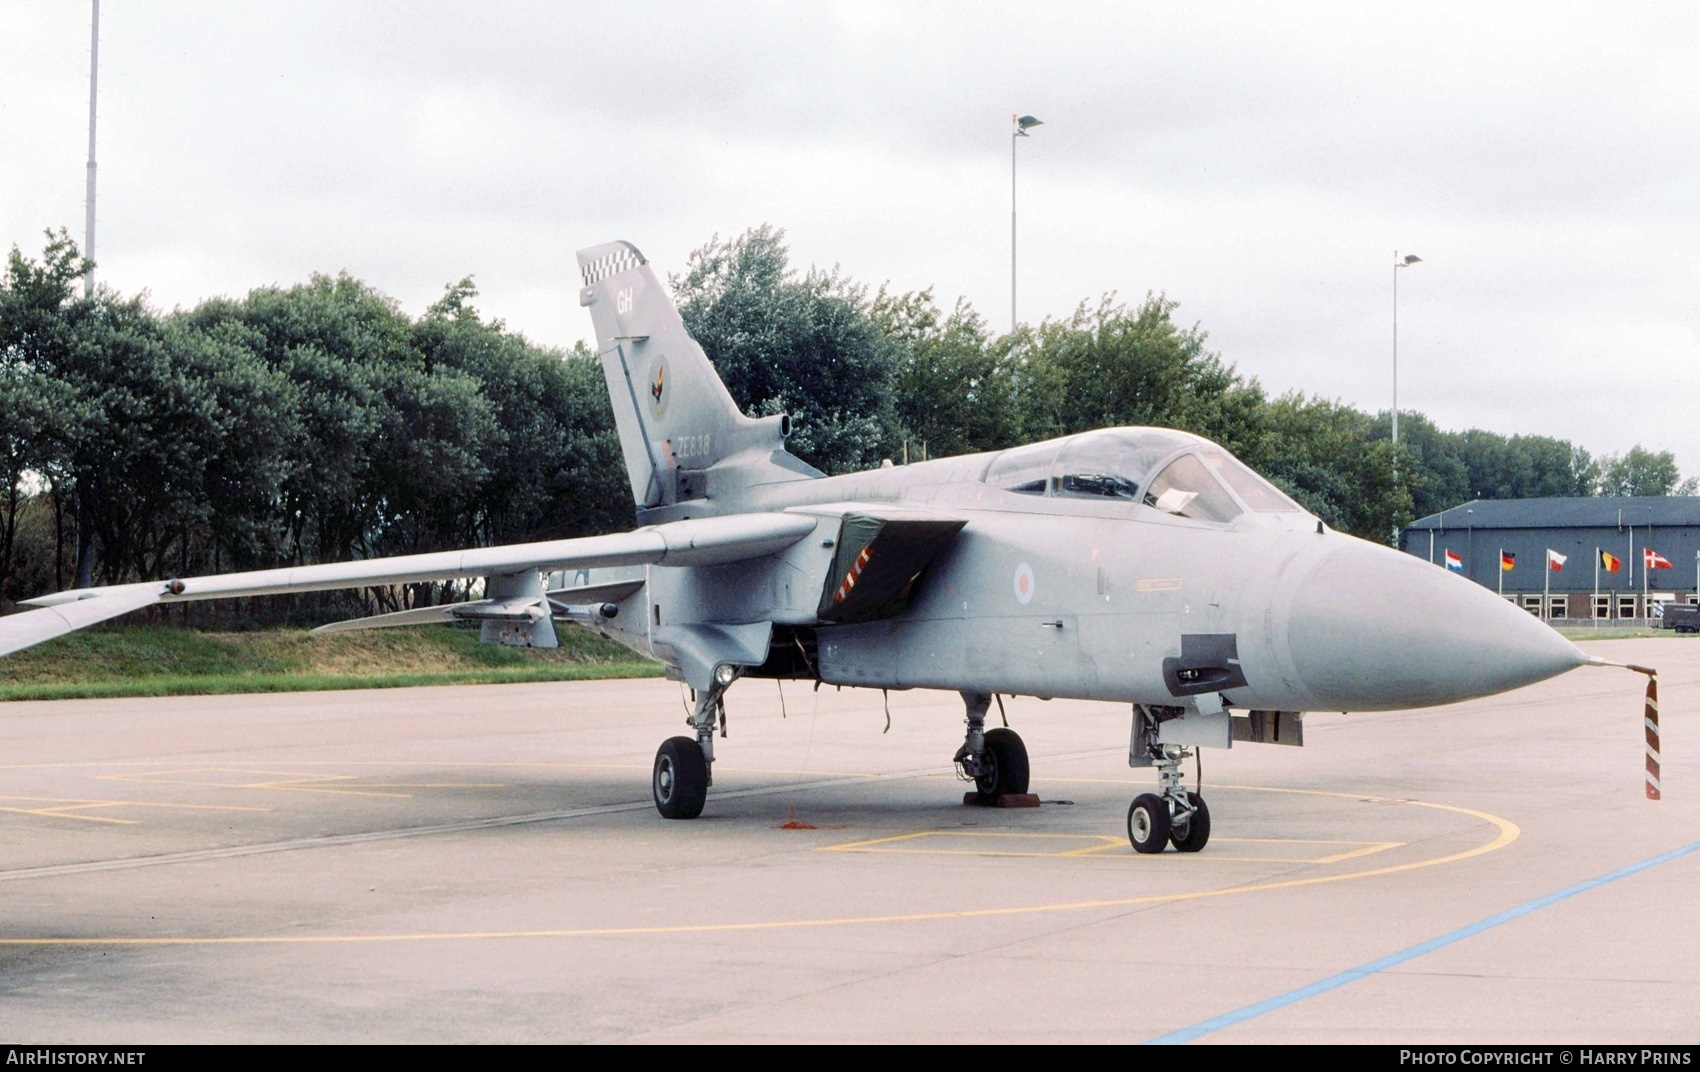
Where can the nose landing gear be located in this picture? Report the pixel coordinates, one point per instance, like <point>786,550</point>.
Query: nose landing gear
<point>1172,814</point>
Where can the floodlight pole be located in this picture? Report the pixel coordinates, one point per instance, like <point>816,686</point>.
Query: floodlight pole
<point>1020,124</point>
<point>1410,259</point>
<point>94,84</point>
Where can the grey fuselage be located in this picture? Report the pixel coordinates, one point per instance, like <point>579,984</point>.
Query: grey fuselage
<point>1046,595</point>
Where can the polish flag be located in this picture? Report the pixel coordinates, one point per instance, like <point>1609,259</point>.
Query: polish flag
<point>1655,560</point>
<point>1555,561</point>
<point>1455,561</point>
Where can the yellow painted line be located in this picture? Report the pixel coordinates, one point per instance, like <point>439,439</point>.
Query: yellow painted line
<point>58,813</point>
<point>443,785</point>
<point>875,845</point>
<point>291,782</point>
<point>1103,844</point>
<point>1298,841</point>
<point>1508,832</point>
<point>67,806</point>
<point>305,786</point>
<point>1366,850</point>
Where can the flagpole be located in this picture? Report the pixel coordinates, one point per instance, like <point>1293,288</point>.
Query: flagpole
<point>1502,572</point>
<point>1546,589</point>
<point>1594,610</point>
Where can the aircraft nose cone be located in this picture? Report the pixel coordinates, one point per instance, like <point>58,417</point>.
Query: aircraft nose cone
<point>1372,628</point>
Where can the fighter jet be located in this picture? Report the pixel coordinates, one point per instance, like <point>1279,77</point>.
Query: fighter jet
<point>1141,566</point>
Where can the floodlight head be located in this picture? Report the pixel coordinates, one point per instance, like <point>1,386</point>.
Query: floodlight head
<point>1025,121</point>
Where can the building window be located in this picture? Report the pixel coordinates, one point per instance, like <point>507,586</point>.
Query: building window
<point>1626,607</point>
<point>1532,604</point>
<point>1602,607</point>
<point>1558,607</point>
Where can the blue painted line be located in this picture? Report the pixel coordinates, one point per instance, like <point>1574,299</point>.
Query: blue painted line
<point>1351,975</point>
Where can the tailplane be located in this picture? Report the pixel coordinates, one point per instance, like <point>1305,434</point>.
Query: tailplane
<point>680,431</point>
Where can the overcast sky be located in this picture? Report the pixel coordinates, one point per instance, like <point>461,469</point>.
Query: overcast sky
<point>1258,163</point>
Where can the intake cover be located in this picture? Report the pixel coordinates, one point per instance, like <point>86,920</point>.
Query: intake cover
<point>877,563</point>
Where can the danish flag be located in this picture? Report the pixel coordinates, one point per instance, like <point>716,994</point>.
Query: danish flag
<point>1655,560</point>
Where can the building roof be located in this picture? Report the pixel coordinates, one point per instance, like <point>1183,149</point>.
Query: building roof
<point>1592,512</point>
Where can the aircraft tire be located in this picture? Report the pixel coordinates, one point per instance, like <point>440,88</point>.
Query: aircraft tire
<point>1148,823</point>
<point>1010,771</point>
<point>1197,832</point>
<point>680,779</point>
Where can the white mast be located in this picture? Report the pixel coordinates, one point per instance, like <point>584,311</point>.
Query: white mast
<point>94,83</point>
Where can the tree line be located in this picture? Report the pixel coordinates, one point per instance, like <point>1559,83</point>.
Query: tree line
<point>318,422</point>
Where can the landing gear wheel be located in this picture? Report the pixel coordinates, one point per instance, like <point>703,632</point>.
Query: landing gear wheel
<point>1148,823</point>
<point>680,781</point>
<point>1192,836</point>
<point>1004,767</point>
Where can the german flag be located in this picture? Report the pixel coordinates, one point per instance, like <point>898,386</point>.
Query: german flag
<point>1609,562</point>
<point>1507,561</point>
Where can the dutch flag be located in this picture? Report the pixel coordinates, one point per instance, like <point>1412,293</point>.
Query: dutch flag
<point>1455,561</point>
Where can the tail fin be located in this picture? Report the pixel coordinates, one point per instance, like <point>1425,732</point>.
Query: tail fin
<point>674,415</point>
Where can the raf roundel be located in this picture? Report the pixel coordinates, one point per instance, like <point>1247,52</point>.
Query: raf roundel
<point>1024,584</point>
<point>660,387</point>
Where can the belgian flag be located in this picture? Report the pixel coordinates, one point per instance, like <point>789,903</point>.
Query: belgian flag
<point>1609,562</point>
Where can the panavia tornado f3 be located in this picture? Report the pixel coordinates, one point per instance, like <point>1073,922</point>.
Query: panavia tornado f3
<point>1144,566</point>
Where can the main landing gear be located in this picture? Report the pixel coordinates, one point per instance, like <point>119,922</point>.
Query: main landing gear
<point>684,767</point>
<point>1172,814</point>
<point>994,760</point>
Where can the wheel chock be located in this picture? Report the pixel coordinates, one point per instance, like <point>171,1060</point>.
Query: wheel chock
<point>1008,800</point>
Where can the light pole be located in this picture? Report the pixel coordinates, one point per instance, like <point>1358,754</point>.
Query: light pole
<point>1022,123</point>
<point>1409,259</point>
<point>94,84</point>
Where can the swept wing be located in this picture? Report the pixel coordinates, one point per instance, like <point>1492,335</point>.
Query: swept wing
<point>710,541</point>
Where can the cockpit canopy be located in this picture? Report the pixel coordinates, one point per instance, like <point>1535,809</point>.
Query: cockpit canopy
<point>1171,471</point>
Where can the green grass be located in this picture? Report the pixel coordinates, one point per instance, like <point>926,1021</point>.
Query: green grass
<point>161,661</point>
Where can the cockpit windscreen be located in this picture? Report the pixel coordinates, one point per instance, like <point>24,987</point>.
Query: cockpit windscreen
<point>1185,488</point>
<point>1116,464</point>
<point>1253,490</point>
